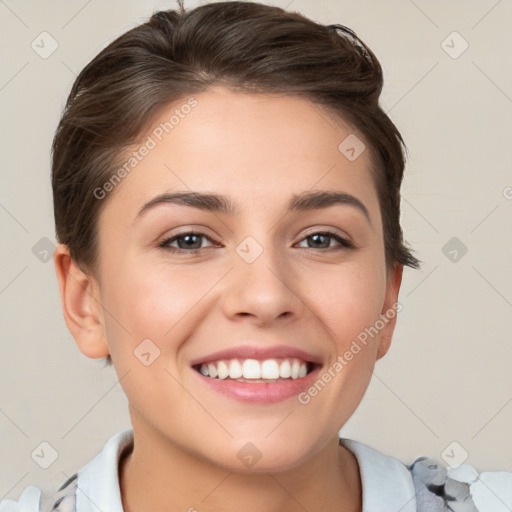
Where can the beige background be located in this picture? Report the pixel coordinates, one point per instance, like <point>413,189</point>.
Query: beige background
<point>447,376</point>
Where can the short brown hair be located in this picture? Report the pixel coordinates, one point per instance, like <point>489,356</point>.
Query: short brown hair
<point>243,45</point>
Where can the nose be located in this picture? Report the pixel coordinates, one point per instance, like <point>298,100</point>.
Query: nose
<point>262,291</point>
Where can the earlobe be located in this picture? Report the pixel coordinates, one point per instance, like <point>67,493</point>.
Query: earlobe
<point>390,309</point>
<point>81,305</point>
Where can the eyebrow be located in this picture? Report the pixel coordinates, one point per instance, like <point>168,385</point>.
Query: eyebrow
<point>218,203</point>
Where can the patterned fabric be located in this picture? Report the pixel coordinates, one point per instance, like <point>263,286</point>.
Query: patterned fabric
<point>65,498</point>
<point>436,492</point>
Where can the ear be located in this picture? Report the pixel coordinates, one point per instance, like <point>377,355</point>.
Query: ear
<point>80,299</point>
<point>390,309</point>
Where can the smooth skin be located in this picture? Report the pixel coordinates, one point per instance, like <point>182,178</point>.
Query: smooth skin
<point>310,293</point>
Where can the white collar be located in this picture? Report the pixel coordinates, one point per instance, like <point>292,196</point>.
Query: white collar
<point>98,483</point>
<point>387,483</point>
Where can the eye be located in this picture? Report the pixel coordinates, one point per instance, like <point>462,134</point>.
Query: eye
<point>322,238</point>
<point>189,242</point>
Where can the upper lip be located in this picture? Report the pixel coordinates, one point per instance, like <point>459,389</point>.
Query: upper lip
<point>258,352</point>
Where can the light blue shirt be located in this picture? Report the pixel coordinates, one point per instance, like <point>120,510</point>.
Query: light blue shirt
<point>388,485</point>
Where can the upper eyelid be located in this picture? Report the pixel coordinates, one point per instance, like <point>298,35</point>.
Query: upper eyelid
<point>331,230</point>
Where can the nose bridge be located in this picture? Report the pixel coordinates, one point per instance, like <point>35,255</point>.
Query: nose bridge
<point>259,284</point>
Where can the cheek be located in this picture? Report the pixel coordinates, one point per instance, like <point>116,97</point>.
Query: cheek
<point>150,303</point>
<point>347,300</point>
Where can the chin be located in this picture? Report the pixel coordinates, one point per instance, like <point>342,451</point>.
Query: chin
<point>261,455</point>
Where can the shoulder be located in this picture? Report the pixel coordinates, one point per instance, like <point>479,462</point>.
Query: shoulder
<point>462,487</point>
<point>428,484</point>
<point>28,501</point>
<point>96,482</point>
<point>33,499</point>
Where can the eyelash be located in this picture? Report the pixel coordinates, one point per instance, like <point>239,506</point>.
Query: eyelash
<point>164,244</point>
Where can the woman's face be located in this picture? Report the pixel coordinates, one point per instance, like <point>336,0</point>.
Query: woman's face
<point>260,283</point>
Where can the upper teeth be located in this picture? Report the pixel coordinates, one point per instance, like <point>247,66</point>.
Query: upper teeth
<point>254,369</point>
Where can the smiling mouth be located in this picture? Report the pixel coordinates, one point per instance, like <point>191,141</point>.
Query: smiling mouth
<point>256,371</point>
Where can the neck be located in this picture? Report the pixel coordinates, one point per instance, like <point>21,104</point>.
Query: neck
<point>172,479</point>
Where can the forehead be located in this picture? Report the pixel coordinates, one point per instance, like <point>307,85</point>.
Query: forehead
<point>258,148</point>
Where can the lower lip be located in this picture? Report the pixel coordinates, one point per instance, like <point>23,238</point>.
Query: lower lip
<point>264,392</point>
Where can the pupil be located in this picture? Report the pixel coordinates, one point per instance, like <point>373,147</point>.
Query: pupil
<point>315,237</point>
<point>188,238</point>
